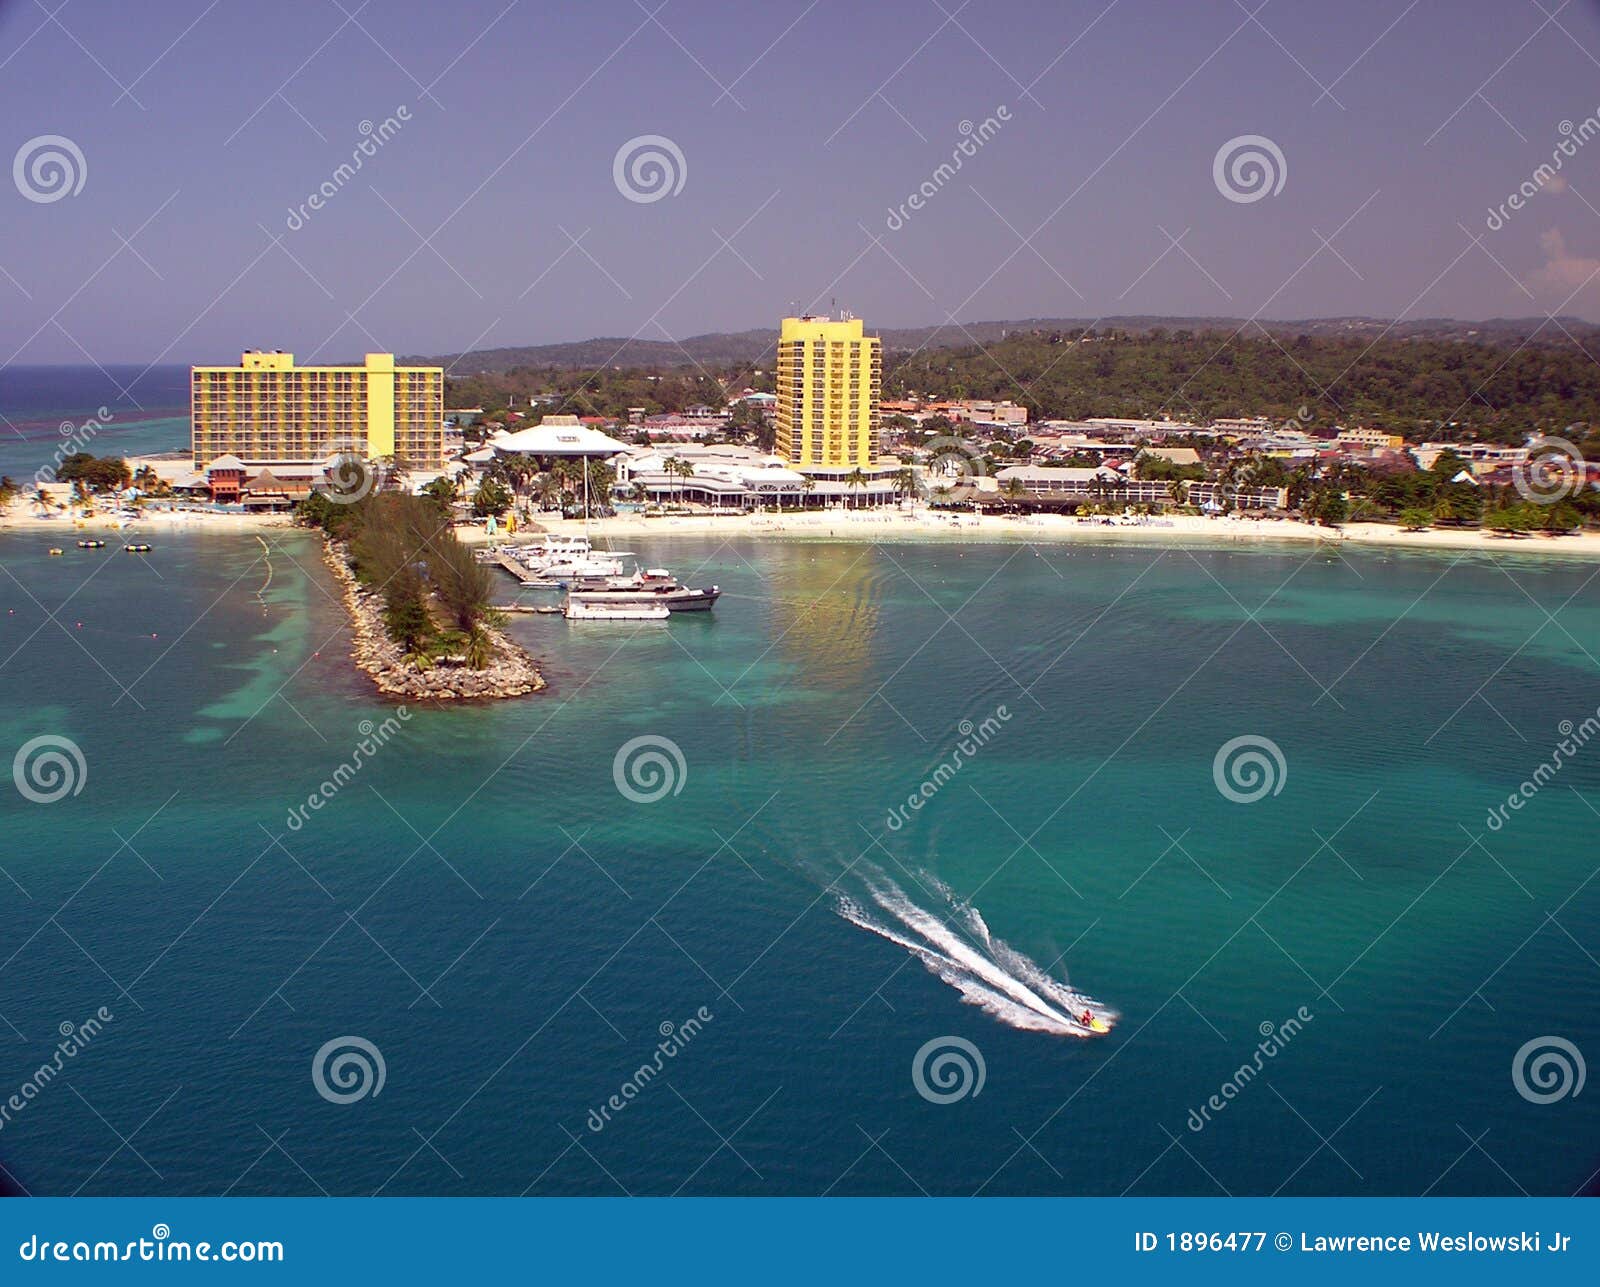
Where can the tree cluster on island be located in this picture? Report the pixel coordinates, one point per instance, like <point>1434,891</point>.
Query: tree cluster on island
<point>435,594</point>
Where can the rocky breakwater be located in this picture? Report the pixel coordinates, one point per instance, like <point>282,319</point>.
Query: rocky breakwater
<point>510,673</point>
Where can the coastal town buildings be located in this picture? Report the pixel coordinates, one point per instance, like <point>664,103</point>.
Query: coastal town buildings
<point>1481,457</point>
<point>1368,439</point>
<point>268,411</point>
<point>1105,485</point>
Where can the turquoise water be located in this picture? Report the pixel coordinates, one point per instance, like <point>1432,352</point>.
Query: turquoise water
<point>481,902</point>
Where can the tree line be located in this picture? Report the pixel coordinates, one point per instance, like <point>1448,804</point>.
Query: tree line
<point>1419,388</point>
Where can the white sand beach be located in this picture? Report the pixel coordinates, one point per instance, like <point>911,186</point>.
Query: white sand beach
<point>885,525</point>
<point>21,517</point>
<point>927,525</point>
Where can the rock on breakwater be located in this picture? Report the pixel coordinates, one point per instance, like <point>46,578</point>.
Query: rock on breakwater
<point>512,672</point>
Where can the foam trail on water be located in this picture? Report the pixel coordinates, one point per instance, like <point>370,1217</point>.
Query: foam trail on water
<point>973,991</point>
<point>988,973</point>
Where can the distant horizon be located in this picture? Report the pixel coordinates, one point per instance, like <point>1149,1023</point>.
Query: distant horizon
<point>1531,321</point>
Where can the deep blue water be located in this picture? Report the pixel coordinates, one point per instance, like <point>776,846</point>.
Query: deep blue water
<point>147,411</point>
<point>483,905</point>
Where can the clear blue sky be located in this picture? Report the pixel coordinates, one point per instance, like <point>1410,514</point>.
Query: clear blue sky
<point>202,126</point>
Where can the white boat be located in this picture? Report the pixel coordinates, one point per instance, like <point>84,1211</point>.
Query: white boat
<point>675,597</point>
<point>580,610</point>
<point>585,567</point>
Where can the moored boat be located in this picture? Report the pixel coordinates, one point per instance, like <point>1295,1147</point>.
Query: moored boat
<point>579,610</point>
<point>675,597</point>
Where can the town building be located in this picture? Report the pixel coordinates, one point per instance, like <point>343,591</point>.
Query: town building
<point>829,375</point>
<point>1483,457</point>
<point>1105,485</point>
<point>1369,440</point>
<point>268,411</point>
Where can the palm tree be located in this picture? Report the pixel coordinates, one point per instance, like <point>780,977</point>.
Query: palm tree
<point>679,469</point>
<point>855,479</point>
<point>905,481</point>
<point>1016,489</point>
<point>549,490</point>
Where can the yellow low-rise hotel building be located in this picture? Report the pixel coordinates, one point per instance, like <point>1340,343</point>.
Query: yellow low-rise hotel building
<point>829,375</point>
<point>267,410</point>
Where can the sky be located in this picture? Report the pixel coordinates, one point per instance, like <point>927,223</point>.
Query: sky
<point>165,157</point>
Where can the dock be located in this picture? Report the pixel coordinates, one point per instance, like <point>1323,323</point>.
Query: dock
<point>507,564</point>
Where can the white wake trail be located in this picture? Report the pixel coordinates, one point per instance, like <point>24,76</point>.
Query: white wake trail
<point>993,976</point>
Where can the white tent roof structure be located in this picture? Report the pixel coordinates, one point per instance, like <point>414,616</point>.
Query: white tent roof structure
<point>556,436</point>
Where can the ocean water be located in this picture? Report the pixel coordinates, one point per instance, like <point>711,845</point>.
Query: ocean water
<point>134,411</point>
<point>483,903</point>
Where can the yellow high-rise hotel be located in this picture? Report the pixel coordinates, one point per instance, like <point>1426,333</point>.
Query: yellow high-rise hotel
<point>829,375</point>
<point>267,411</point>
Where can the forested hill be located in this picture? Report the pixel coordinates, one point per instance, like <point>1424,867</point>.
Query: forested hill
<point>1418,387</point>
<point>754,347</point>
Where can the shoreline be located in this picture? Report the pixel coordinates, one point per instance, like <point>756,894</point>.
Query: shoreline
<point>922,525</point>
<point>898,525</point>
<point>16,520</point>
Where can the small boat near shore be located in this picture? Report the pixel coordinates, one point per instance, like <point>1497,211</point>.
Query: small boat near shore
<point>579,610</point>
<point>91,545</point>
<point>672,597</point>
<point>136,549</point>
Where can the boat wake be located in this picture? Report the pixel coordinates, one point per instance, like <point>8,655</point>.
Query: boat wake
<point>986,971</point>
